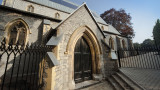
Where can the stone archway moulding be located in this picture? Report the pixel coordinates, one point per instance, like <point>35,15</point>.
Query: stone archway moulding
<point>94,45</point>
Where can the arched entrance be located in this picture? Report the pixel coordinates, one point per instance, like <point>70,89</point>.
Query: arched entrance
<point>82,61</point>
<point>95,51</point>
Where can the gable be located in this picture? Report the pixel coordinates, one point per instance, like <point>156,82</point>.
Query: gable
<point>80,17</point>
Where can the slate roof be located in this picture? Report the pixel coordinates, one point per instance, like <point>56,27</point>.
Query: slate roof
<point>55,40</point>
<point>53,59</point>
<point>69,7</point>
<point>98,18</point>
<point>66,3</point>
<point>53,4</point>
<point>112,30</point>
<point>65,6</point>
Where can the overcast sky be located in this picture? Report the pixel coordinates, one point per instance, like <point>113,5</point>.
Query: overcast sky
<point>144,13</point>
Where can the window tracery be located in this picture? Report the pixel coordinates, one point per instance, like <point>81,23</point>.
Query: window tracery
<point>17,33</point>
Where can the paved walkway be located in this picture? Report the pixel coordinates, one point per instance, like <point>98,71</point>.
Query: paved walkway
<point>147,78</point>
<point>100,86</point>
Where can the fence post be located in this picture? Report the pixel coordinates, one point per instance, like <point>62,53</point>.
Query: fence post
<point>119,61</point>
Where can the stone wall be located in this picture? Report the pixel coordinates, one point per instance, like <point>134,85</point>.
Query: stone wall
<point>39,9</point>
<point>126,41</point>
<point>61,77</point>
<point>108,36</point>
<point>117,41</point>
<point>35,25</point>
<point>34,36</point>
<point>64,71</point>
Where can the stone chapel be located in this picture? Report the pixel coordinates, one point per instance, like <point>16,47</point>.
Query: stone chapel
<point>83,43</point>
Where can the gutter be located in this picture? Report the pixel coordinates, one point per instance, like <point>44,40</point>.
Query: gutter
<point>25,13</point>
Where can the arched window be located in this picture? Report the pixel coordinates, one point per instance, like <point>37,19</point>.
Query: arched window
<point>57,15</point>
<point>17,32</point>
<point>102,27</point>
<point>123,44</point>
<point>111,43</point>
<point>30,8</point>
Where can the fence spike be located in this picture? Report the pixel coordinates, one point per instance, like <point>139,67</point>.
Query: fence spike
<point>3,41</point>
<point>3,44</point>
<point>31,45</point>
<point>10,47</point>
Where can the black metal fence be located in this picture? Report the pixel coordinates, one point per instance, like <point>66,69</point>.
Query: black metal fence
<point>22,67</point>
<point>147,57</point>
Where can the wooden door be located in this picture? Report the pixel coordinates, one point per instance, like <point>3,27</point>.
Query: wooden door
<point>82,61</point>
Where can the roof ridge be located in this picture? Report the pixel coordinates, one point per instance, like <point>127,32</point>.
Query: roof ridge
<point>84,4</point>
<point>71,2</point>
<point>54,5</point>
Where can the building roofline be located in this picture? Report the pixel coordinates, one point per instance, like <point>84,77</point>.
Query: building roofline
<point>94,19</point>
<point>69,16</point>
<point>84,4</point>
<point>110,32</point>
<point>49,6</point>
<point>71,2</point>
<point>118,33</point>
<point>28,13</point>
<point>103,23</point>
<point>115,34</point>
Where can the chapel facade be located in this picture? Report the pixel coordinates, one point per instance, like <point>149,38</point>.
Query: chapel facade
<point>83,43</point>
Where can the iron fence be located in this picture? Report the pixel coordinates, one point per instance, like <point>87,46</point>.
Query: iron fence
<point>147,57</point>
<point>22,67</point>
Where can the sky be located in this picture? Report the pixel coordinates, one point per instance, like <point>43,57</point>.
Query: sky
<point>144,13</point>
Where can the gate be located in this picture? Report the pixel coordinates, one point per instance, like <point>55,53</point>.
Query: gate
<point>82,61</point>
<point>147,57</point>
<point>22,67</point>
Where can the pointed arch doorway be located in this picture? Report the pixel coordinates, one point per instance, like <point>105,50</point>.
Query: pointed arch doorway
<point>95,52</point>
<point>82,61</point>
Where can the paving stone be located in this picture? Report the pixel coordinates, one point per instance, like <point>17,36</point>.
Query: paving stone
<point>147,78</point>
<point>101,86</point>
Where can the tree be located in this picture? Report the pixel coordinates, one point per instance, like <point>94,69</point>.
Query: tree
<point>156,32</point>
<point>120,20</point>
<point>147,43</point>
<point>136,45</point>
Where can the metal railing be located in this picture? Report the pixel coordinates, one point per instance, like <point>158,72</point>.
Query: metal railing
<point>22,67</point>
<point>147,57</point>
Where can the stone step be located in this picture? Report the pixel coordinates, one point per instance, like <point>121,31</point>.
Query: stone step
<point>122,83</point>
<point>114,84</point>
<point>129,82</point>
